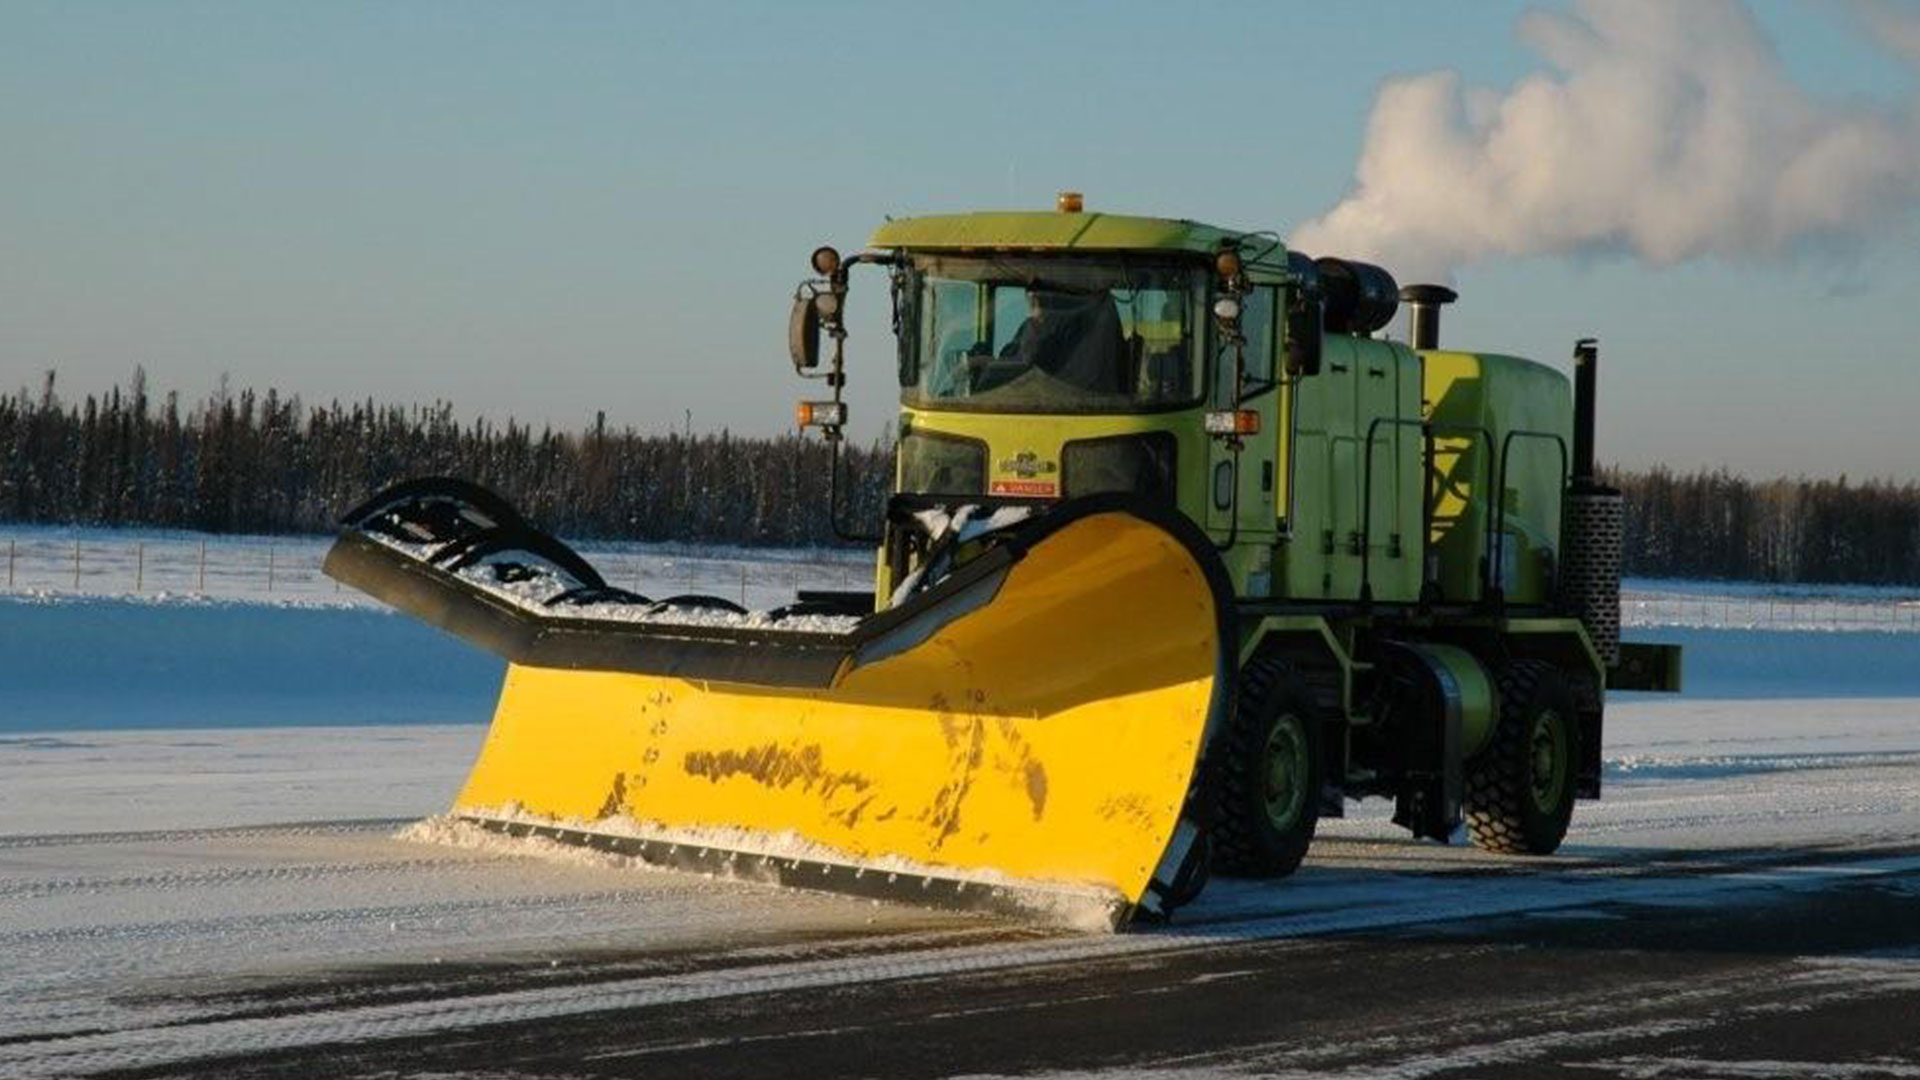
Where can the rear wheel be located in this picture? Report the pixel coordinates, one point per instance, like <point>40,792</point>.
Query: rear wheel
<point>1267,787</point>
<point>1519,794</point>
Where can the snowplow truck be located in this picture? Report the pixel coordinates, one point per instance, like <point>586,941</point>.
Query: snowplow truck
<point>1183,554</point>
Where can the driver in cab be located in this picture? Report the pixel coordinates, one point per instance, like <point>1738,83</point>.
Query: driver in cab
<point>1074,337</point>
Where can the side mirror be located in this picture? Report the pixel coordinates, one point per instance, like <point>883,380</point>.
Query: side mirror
<point>1303,335</point>
<point>803,330</point>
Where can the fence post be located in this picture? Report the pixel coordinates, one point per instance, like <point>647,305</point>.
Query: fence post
<point>743,585</point>
<point>10,556</point>
<point>203,566</point>
<point>139,568</point>
<point>269,567</point>
<point>76,566</point>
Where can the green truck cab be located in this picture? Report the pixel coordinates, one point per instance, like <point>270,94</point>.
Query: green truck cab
<point>1425,569</point>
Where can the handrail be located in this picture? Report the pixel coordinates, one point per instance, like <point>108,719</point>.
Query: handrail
<point>1366,501</point>
<point>1499,549</point>
<point>1486,435</point>
<point>1431,431</point>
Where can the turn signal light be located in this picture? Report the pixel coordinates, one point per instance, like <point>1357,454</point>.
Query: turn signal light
<point>820,414</point>
<point>1233,422</point>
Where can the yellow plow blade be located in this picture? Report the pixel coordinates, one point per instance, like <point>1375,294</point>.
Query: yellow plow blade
<point>1046,741</point>
<point>1026,733</point>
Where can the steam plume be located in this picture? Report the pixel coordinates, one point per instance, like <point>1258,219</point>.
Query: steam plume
<point>1670,130</point>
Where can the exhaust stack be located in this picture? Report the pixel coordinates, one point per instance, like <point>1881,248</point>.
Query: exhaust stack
<point>1586,362</point>
<point>1425,301</point>
<point>1594,533</point>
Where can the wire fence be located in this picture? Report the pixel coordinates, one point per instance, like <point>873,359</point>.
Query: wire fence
<point>1892,615</point>
<point>290,569</point>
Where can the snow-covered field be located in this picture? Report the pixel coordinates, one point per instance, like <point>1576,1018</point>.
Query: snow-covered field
<point>285,570</point>
<point>205,805</point>
<point>172,565</point>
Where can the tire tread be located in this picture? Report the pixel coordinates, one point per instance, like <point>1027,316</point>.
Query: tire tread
<point>1238,846</point>
<point>1498,789</point>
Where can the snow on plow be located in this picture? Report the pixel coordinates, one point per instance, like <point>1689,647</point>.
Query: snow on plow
<point>1023,735</point>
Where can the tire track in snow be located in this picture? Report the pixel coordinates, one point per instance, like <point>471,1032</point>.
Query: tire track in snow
<point>1595,1022</point>
<point>218,877</point>
<point>343,826</point>
<point>1445,900</point>
<point>235,925</point>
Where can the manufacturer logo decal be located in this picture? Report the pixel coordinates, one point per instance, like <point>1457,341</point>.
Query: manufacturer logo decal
<point>1026,465</point>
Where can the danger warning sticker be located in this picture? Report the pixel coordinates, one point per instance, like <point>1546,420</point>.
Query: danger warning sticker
<point>1041,489</point>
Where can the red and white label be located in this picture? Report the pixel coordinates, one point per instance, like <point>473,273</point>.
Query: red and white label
<point>1035,489</point>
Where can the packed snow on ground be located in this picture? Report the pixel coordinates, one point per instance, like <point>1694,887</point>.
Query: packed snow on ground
<point>253,819</point>
<point>151,884</point>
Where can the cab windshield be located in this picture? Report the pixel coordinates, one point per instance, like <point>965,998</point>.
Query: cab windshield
<point>1051,335</point>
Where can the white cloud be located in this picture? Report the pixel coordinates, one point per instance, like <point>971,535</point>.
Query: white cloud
<point>1668,130</point>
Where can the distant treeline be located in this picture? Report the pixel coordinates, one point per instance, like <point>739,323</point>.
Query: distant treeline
<point>1718,525</point>
<point>246,462</point>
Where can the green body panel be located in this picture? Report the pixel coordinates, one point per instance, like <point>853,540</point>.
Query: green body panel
<point>1020,230</point>
<point>1475,400</point>
<point>1333,498</point>
<point>1312,634</point>
<point>1476,691</point>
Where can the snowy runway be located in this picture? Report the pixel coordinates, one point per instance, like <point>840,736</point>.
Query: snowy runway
<point>153,913</point>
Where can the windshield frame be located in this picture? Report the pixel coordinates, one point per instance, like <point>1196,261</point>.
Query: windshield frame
<point>1017,268</point>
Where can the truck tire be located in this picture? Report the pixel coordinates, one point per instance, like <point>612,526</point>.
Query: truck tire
<point>1268,776</point>
<point>1519,791</point>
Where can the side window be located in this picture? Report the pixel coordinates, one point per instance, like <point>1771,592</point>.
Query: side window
<point>949,334</point>
<point>1256,324</point>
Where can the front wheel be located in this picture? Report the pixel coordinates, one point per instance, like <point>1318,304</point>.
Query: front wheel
<point>1269,775</point>
<point>1519,792</point>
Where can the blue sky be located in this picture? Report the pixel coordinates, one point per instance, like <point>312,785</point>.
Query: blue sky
<point>546,210</point>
